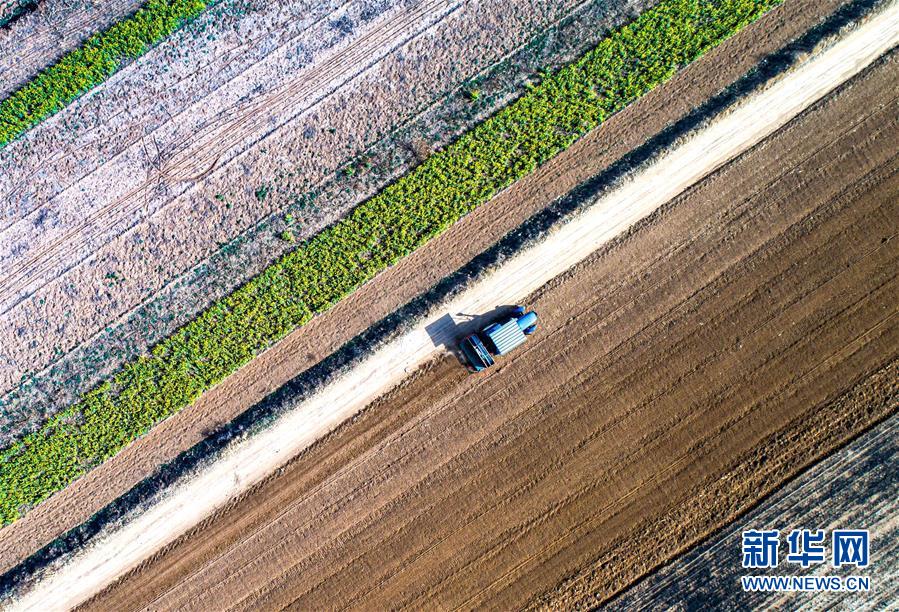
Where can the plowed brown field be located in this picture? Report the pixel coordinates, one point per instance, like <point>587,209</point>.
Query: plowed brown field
<point>740,333</point>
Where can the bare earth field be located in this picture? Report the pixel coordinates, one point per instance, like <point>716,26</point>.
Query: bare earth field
<point>855,487</point>
<point>739,334</point>
<point>325,334</point>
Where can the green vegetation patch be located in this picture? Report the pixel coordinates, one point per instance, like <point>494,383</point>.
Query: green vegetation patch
<point>548,118</point>
<point>96,60</point>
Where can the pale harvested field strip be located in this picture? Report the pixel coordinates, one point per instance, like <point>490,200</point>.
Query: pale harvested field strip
<point>198,114</point>
<point>90,136</point>
<point>51,253</point>
<point>199,149</point>
<point>299,96</point>
<point>48,31</point>
<point>551,458</point>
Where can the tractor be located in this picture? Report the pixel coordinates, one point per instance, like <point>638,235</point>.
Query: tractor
<point>498,338</point>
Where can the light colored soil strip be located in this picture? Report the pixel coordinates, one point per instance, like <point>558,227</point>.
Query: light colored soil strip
<point>44,393</point>
<point>49,31</point>
<point>251,461</point>
<point>127,262</point>
<point>93,210</point>
<point>12,9</point>
<point>304,348</point>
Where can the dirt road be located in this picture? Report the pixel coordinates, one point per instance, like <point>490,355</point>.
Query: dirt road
<point>492,489</point>
<point>396,286</point>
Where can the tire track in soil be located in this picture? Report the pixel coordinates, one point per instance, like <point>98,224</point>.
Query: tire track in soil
<point>805,310</point>
<point>201,154</point>
<point>42,35</point>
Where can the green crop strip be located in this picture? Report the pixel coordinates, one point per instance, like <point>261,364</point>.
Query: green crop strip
<point>96,60</point>
<point>545,120</point>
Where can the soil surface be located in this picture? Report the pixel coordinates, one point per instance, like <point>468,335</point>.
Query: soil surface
<point>49,30</point>
<point>42,393</point>
<point>309,344</point>
<point>857,487</point>
<point>741,333</point>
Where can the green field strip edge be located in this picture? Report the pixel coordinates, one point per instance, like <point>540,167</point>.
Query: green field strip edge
<point>98,58</point>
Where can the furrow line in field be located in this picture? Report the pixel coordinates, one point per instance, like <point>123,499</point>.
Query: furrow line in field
<point>318,20</point>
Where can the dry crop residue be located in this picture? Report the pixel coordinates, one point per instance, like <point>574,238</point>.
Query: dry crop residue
<point>668,365</point>
<point>80,369</point>
<point>45,33</point>
<point>394,287</point>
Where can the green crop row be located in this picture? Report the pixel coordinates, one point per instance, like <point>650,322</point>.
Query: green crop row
<point>91,64</point>
<point>546,119</point>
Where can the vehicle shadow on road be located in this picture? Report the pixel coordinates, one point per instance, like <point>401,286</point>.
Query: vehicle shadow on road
<point>448,330</point>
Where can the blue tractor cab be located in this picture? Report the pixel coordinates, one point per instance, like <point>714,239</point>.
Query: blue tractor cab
<point>498,339</point>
